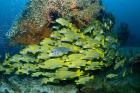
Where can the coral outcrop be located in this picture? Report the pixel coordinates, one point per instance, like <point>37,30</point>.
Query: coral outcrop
<point>36,21</point>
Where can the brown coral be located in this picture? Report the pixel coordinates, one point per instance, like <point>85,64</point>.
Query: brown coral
<point>30,34</point>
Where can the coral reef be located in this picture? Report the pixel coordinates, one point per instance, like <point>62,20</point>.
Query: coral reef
<point>69,54</point>
<point>71,48</point>
<point>35,22</point>
<point>128,84</point>
<point>17,84</point>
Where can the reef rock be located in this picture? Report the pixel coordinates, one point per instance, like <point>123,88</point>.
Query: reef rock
<point>37,19</point>
<point>16,84</point>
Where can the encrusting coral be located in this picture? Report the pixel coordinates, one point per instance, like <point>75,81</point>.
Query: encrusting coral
<point>35,23</point>
<point>69,54</point>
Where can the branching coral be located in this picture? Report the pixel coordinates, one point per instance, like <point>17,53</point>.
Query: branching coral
<point>69,54</point>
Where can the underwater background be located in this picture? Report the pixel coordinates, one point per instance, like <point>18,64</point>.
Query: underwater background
<point>124,11</point>
<point>127,11</point>
<point>11,9</point>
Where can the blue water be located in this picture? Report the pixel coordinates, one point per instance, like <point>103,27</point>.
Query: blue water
<point>124,11</point>
<point>9,11</point>
<point>127,11</point>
